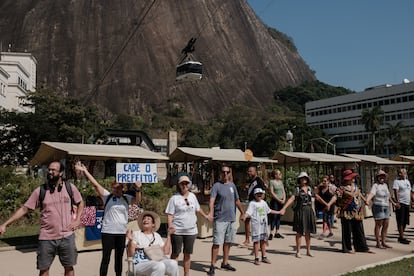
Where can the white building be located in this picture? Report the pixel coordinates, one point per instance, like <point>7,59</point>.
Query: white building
<point>17,77</point>
<point>341,115</point>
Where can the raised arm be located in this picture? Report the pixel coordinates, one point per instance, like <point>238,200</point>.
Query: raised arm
<point>98,187</point>
<point>138,193</point>
<point>131,243</point>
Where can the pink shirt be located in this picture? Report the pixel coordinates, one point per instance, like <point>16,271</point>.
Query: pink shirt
<point>56,213</point>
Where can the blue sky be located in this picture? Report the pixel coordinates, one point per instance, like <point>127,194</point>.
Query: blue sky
<point>350,43</point>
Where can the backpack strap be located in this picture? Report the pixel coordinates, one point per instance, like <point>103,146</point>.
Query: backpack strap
<point>42,194</point>
<point>109,198</point>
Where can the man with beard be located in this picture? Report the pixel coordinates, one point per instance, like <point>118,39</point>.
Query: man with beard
<point>57,223</point>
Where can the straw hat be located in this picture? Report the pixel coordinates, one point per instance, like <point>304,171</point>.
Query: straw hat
<point>155,217</point>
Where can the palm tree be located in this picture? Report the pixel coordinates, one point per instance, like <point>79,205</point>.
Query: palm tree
<point>394,134</point>
<point>372,120</point>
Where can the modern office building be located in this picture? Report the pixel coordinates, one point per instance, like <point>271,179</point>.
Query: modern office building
<point>17,77</point>
<point>340,117</point>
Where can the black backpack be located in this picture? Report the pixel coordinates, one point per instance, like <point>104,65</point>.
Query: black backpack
<point>45,187</point>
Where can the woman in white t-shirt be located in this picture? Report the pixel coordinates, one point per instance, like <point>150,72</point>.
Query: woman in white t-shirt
<point>149,223</point>
<point>182,221</point>
<point>380,208</point>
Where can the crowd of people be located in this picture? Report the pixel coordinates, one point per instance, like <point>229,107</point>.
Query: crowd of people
<point>150,254</point>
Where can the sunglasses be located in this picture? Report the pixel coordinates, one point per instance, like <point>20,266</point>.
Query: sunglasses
<point>225,172</point>
<point>186,201</point>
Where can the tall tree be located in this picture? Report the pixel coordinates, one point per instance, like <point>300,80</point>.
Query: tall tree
<point>372,120</point>
<point>56,118</point>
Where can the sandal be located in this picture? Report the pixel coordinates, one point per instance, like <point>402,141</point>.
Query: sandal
<point>386,245</point>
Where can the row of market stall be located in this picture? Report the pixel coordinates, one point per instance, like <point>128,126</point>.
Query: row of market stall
<point>202,164</point>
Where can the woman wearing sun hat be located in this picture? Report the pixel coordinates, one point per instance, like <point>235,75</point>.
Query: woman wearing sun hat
<point>182,221</point>
<point>149,223</point>
<point>350,211</point>
<point>380,208</point>
<point>304,222</point>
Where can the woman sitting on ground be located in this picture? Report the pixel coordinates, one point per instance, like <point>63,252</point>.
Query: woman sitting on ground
<point>149,223</point>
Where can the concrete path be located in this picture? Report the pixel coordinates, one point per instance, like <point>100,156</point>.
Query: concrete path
<point>327,260</point>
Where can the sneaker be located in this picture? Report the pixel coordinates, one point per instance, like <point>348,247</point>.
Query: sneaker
<point>403,241</point>
<point>330,235</point>
<point>321,237</point>
<point>278,236</point>
<point>270,237</point>
<point>227,267</point>
<point>211,272</point>
<point>266,260</point>
<point>298,255</point>
<point>256,261</point>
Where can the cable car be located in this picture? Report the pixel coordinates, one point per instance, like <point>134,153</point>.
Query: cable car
<point>189,71</point>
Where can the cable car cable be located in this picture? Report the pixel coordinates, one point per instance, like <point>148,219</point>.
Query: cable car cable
<point>109,69</point>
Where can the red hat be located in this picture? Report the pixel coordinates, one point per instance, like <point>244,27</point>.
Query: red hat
<point>348,175</point>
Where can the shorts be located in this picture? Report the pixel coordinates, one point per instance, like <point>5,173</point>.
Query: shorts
<point>177,242</point>
<point>224,232</point>
<point>403,215</point>
<point>65,248</point>
<point>380,212</point>
<point>261,237</point>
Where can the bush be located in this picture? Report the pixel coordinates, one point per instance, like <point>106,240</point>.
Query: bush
<point>14,191</point>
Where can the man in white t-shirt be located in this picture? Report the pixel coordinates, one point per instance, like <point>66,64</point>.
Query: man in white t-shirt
<point>403,192</point>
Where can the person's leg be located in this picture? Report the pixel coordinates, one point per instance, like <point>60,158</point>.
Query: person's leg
<point>150,268</point>
<point>186,264</point>
<point>46,252</point>
<point>308,244</point>
<point>278,218</point>
<point>378,225</point>
<point>69,271</point>
<point>226,252</point>
<point>384,231</point>
<point>329,223</point>
<point>108,243</point>
<point>219,229</point>
<point>346,236</point>
<point>272,219</point>
<point>119,253</point>
<point>44,272</point>
<point>298,238</point>
<point>256,249</point>
<point>358,235</point>
<point>171,267</point>
<point>176,245</point>
<point>214,253</point>
<point>400,228</point>
<point>247,231</point>
<point>66,249</point>
<point>188,241</point>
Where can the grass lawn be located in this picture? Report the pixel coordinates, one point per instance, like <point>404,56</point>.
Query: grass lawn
<point>20,235</point>
<point>404,267</point>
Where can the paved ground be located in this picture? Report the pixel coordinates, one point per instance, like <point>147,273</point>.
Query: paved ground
<point>327,260</point>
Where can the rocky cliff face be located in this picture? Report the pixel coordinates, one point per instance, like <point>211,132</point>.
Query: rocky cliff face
<point>76,43</point>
